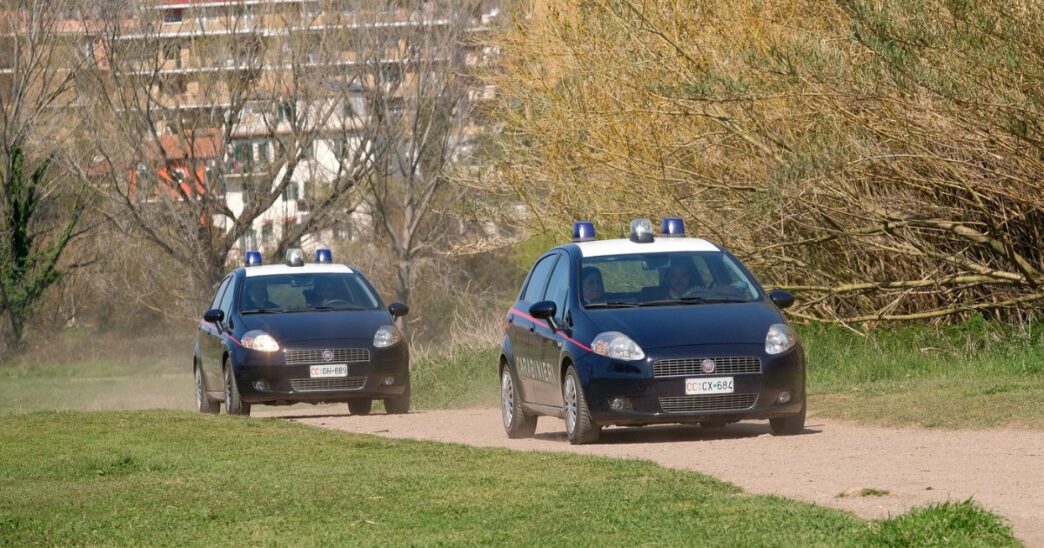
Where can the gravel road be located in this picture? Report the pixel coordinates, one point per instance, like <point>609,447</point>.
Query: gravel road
<point>829,464</point>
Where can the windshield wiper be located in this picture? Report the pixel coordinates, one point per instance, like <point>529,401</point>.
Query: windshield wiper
<point>690,300</point>
<point>264,311</point>
<point>349,307</point>
<point>611,304</point>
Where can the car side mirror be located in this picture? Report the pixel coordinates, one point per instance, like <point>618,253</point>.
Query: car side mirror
<point>214,315</point>
<point>545,310</point>
<point>783,299</point>
<point>398,309</point>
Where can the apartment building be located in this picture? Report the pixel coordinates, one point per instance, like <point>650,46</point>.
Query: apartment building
<point>246,96</point>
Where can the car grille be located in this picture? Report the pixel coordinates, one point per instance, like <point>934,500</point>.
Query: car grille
<point>340,355</point>
<point>687,367</point>
<point>718,402</point>
<point>319,385</point>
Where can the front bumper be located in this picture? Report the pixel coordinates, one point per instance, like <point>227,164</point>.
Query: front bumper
<point>651,400</point>
<point>265,378</point>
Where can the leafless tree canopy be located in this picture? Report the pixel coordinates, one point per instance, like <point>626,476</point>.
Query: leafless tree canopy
<point>884,160</point>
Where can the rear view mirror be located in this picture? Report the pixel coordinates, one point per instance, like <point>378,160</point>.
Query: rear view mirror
<point>543,310</point>
<point>398,309</point>
<point>783,299</point>
<point>214,315</point>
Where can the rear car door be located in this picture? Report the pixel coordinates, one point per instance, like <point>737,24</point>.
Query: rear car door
<point>525,342</point>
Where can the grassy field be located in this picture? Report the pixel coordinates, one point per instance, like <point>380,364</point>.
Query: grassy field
<point>177,478</point>
<point>974,375</point>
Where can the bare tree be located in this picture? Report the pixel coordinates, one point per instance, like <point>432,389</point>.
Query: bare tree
<point>222,119</point>
<point>44,194</point>
<point>421,108</point>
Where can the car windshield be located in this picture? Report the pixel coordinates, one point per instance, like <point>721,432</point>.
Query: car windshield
<point>305,292</point>
<point>663,279</point>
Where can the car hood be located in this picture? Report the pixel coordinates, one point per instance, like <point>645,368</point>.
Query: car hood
<point>659,327</point>
<point>312,326</point>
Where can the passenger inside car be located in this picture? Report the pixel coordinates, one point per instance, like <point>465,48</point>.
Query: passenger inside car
<point>257,297</point>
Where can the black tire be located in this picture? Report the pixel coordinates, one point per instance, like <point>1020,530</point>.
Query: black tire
<point>399,405</point>
<point>360,407</point>
<point>580,428</point>
<point>234,404</point>
<point>203,402</point>
<point>789,426</point>
<point>516,423</point>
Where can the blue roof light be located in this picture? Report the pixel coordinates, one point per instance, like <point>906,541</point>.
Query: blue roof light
<point>673,227</point>
<point>323,255</point>
<point>252,258</point>
<point>583,231</point>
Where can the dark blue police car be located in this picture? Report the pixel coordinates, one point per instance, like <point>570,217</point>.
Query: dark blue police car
<point>648,329</point>
<point>283,334</point>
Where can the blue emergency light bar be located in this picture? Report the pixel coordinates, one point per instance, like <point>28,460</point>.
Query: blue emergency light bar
<point>252,258</point>
<point>673,227</point>
<point>583,231</point>
<point>323,255</point>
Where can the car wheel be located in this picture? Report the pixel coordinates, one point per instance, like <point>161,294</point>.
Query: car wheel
<point>580,428</point>
<point>516,423</point>
<point>234,405</point>
<point>203,402</point>
<point>360,407</point>
<point>788,426</point>
<point>399,405</point>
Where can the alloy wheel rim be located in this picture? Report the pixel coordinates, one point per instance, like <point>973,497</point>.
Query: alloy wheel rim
<point>507,398</point>
<point>570,401</point>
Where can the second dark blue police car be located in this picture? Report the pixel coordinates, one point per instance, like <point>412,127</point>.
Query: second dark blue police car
<point>295,332</point>
<point>648,329</point>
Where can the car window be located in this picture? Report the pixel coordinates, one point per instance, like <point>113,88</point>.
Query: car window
<point>665,278</point>
<point>226,299</point>
<point>558,287</point>
<point>306,292</point>
<point>220,292</point>
<point>538,279</point>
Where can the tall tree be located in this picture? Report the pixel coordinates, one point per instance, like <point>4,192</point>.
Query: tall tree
<point>44,194</point>
<point>223,120</point>
<point>422,111</point>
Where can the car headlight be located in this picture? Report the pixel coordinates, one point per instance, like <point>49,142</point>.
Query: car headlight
<point>260,341</point>
<point>780,338</point>
<point>617,346</point>
<point>387,335</point>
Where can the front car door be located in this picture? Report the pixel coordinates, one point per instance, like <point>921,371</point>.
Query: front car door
<point>211,345</point>
<point>550,344</point>
<point>526,342</point>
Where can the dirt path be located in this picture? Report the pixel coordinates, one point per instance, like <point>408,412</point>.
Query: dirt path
<point>1001,469</point>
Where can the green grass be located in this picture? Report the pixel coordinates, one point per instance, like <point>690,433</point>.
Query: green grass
<point>973,375</point>
<point>177,478</point>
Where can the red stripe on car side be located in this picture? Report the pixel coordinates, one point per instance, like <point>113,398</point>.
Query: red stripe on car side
<point>542,323</point>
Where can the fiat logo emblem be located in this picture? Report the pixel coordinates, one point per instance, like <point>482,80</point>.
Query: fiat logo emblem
<point>708,365</point>
<point>328,356</point>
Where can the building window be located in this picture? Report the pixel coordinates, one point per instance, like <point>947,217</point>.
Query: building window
<point>172,16</point>
<point>263,148</point>
<point>290,192</point>
<point>342,230</point>
<point>248,240</point>
<point>267,234</point>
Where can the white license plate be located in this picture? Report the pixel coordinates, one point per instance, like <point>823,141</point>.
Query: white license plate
<point>711,385</point>
<point>323,371</point>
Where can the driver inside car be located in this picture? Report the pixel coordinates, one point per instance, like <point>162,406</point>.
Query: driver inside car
<point>327,292</point>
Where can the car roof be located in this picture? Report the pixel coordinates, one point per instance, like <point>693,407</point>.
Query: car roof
<point>311,268</point>
<point>623,246</point>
